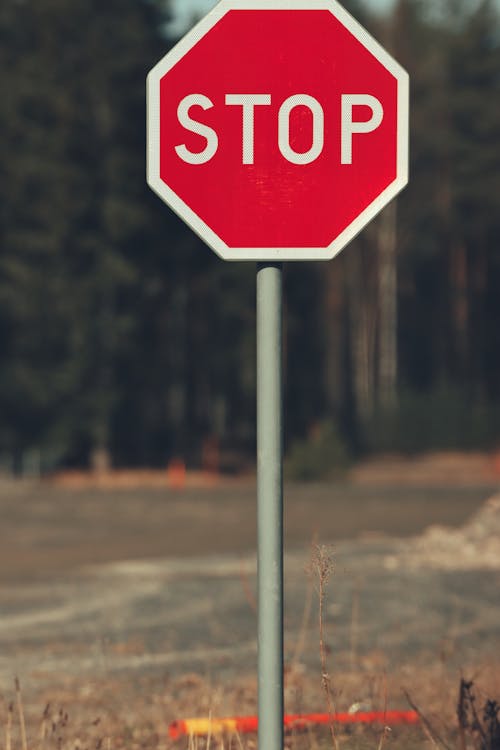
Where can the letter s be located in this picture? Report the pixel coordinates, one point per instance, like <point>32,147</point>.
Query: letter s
<point>187,122</point>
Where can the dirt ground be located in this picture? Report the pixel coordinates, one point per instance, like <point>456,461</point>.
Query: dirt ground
<point>76,520</point>
<point>132,603</point>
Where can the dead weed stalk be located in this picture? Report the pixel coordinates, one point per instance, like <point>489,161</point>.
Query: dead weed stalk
<point>20,711</point>
<point>430,732</point>
<point>322,567</point>
<point>8,727</point>
<point>481,726</point>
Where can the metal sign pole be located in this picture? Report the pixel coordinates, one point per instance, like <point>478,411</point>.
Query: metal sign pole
<point>270,504</point>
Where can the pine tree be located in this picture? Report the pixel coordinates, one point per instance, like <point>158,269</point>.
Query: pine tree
<point>74,211</point>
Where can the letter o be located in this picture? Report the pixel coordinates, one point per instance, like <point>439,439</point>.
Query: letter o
<point>318,140</point>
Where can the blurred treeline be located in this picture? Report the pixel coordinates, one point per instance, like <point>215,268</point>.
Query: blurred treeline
<point>123,338</point>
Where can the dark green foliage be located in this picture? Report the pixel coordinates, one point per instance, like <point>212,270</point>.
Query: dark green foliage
<point>450,214</point>
<point>120,332</point>
<point>444,418</point>
<point>75,213</point>
<point>323,455</point>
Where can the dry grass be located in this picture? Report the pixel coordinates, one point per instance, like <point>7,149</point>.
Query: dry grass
<point>116,714</point>
<point>458,712</point>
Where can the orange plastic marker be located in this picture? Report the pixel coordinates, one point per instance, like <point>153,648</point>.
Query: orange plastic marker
<point>248,724</point>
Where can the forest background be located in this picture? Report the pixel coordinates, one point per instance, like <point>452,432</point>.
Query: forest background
<point>124,341</point>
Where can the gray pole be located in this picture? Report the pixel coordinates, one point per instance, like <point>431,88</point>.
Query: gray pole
<point>270,504</point>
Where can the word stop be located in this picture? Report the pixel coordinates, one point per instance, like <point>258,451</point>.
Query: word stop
<point>248,103</point>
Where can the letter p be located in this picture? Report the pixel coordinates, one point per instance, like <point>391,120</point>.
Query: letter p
<point>349,127</point>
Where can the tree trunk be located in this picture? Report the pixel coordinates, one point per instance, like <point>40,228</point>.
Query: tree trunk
<point>460,303</point>
<point>362,334</point>
<point>333,308</point>
<point>387,308</point>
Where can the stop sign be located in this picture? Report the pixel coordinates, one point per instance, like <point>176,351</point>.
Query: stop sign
<point>277,129</point>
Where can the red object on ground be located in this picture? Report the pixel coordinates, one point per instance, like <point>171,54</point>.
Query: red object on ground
<point>248,724</point>
<point>176,474</point>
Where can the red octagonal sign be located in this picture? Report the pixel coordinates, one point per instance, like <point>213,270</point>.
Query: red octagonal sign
<point>277,129</point>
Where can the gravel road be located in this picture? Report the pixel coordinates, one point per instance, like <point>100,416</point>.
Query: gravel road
<point>130,610</point>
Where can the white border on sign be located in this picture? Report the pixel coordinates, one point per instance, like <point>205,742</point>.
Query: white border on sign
<point>189,216</point>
